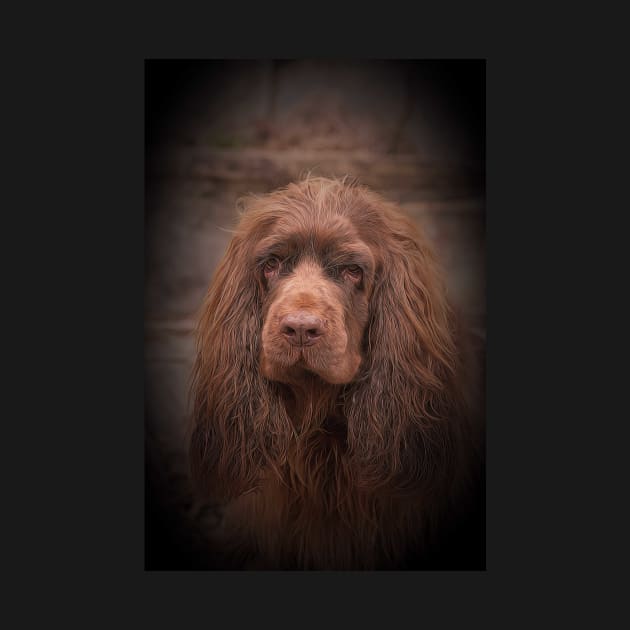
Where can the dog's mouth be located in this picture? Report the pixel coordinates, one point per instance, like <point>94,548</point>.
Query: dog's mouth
<point>327,357</point>
<point>302,364</point>
<point>292,363</point>
<point>298,358</point>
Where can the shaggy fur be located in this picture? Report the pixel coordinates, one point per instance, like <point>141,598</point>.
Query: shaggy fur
<point>335,398</point>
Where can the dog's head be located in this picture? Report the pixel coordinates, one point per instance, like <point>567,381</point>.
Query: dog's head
<point>316,276</point>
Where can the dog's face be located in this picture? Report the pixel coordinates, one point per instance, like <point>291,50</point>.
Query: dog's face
<point>316,279</point>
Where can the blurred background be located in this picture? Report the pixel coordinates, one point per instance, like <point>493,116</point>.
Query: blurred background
<point>215,130</point>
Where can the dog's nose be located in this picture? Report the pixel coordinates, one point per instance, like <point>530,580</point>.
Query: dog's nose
<point>301,328</point>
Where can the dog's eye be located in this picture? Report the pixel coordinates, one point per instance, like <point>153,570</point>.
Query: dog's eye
<point>271,265</point>
<point>353,272</point>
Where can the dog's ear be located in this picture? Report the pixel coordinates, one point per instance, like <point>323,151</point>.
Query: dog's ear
<point>403,404</point>
<point>231,434</point>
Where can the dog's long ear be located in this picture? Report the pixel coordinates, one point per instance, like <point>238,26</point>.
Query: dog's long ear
<point>234,410</point>
<point>403,404</point>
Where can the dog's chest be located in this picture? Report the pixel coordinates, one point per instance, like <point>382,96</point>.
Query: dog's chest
<point>310,484</point>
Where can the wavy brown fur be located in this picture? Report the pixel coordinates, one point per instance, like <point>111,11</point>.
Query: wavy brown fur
<point>318,473</point>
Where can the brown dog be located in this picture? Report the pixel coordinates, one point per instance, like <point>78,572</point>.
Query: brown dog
<point>336,407</point>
